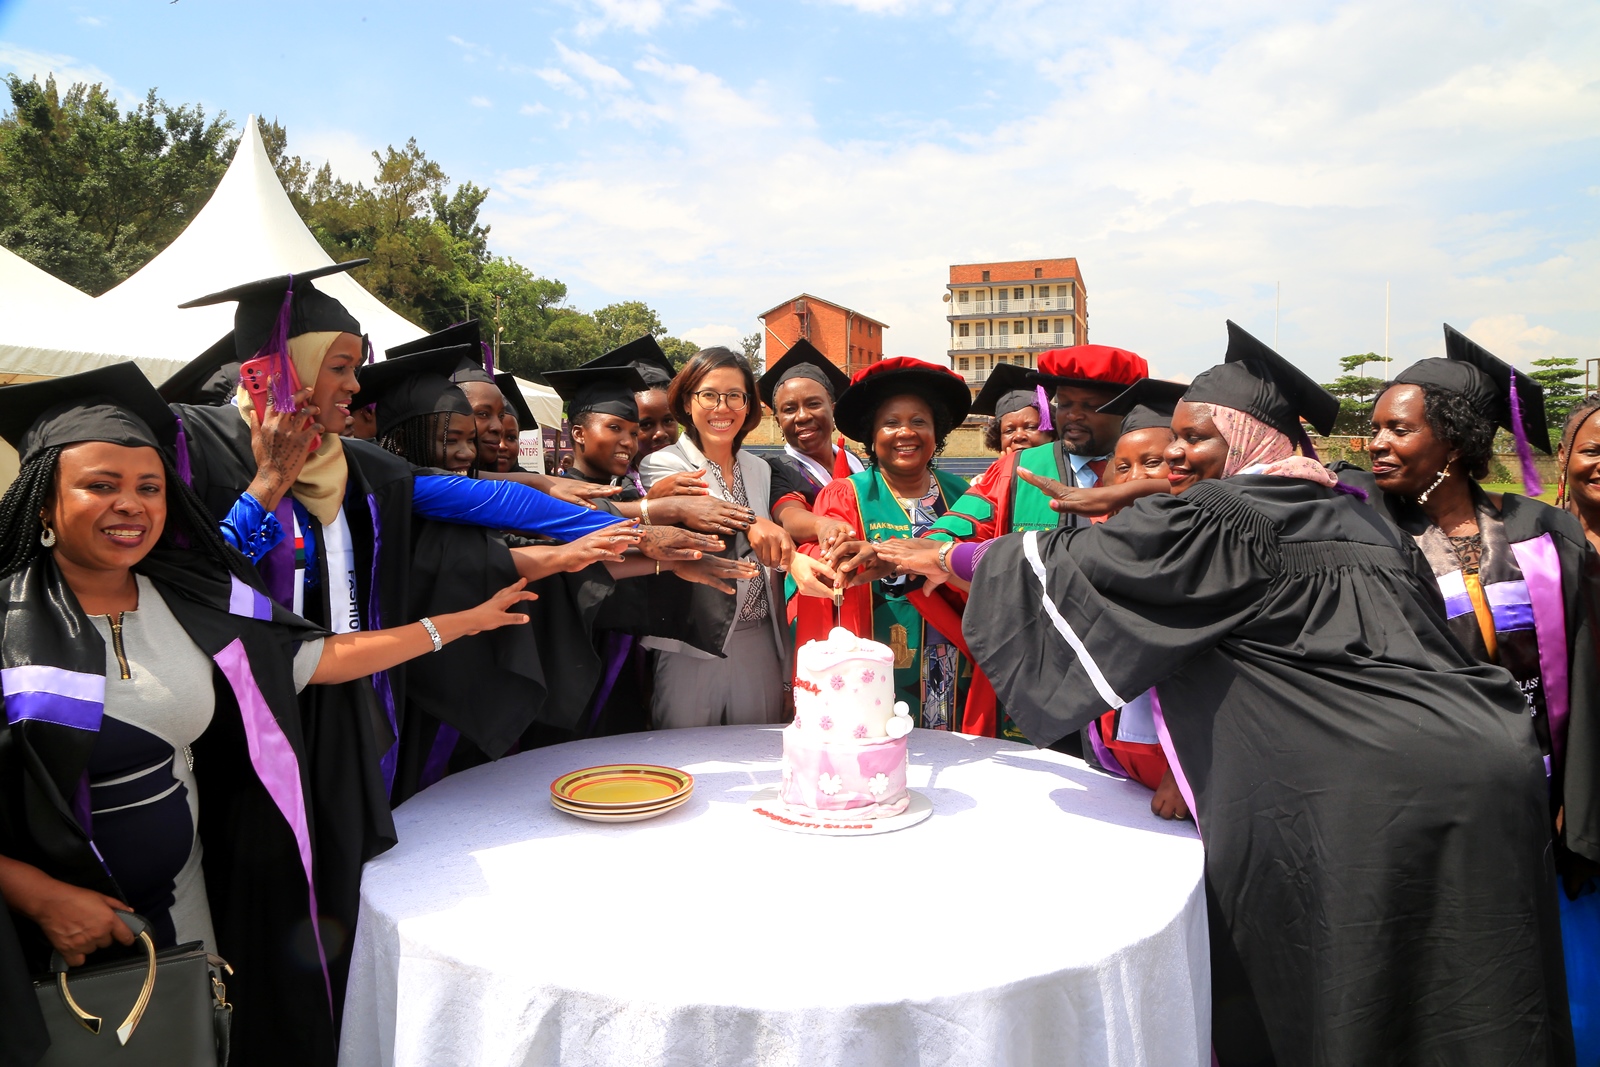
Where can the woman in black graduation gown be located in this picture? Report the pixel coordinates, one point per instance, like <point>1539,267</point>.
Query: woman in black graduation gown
<point>1371,800</point>
<point>1521,589</point>
<point>801,389</point>
<point>152,753</point>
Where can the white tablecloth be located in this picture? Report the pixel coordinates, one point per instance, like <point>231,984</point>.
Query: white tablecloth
<point>1042,915</point>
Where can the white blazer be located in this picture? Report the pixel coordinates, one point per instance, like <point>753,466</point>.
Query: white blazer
<point>757,477</point>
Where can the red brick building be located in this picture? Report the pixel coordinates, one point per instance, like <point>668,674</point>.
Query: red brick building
<point>1010,312</point>
<point>848,338</point>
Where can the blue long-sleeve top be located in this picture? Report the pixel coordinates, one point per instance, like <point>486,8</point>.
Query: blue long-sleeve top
<point>500,505</point>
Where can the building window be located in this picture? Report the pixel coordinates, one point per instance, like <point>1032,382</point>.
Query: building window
<point>1016,294</point>
<point>963,362</point>
<point>963,330</point>
<point>1060,325</point>
<point>1044,325</point>
<point>980,329</point>
<point>985,275</point>
<point>1044,292</point>
<point>1005,328</point>
<point>1038,272</point>
<point>961,297</point>
<point>1019,328</point>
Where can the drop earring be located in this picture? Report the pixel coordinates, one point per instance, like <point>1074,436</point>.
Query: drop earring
<point>47,537</point>
<point>1437,482</point>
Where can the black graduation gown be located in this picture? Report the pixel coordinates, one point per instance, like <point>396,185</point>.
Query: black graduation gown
<point>1575,781</point>
<point>255,849</point>
<point>1371,801</point>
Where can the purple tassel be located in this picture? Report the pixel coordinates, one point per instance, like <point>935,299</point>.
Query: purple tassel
<point>368,356</point>
<point>277,346</point>
<point>380,681</point>
<point>1307,449</point>
<point>181,445</point>
<point>1044,409</point>
<point>1530,474</point>
<point>1352,490</point>
<point>488,358</point>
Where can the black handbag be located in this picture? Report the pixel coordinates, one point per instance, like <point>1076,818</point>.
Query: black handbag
<point>169,1009</point>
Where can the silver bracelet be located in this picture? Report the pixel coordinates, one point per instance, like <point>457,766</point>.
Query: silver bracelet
<point>433,633</point>
<point>944,557</point>
<point>644,509</point>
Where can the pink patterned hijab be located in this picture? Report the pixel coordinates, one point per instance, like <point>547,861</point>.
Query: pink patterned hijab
<point>1256,448</point>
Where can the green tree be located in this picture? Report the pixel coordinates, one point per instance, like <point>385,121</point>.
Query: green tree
<point>1560,377</point>
<point>1356,391</point>
<point>751,343</point>
<point>91,193</point>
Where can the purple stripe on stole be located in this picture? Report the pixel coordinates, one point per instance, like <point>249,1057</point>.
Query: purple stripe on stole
<point>380,681</point>
<point>277,566</point>
<point>1456,606</point>
<point>1541,570</point>
<point>617,647</point>
<point>247,602</point>
<point>54,695</point>
<point>278,768</point>
<point>438,762</point>
<point>1509,605</point>
<point>1173,762</point>
<point>1107,758</point>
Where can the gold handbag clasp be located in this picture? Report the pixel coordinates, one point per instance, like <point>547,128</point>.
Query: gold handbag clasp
<point>92,1022</point>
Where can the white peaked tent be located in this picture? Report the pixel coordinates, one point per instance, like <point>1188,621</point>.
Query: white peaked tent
<point>33,299</point>
<point>247,230</point>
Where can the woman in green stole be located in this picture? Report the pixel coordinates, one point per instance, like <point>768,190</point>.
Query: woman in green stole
<point>902,409</point>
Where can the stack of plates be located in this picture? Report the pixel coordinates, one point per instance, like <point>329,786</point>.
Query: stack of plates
<point>621,792</point>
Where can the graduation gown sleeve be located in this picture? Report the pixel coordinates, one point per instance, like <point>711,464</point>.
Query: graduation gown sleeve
<point>1076,620</point>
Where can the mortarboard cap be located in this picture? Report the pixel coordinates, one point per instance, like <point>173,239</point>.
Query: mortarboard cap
<point>208,379</point>
<point>406,387</point>
<point>1009,388</point>
<point>115,404</point>
<point>1486,381</point>
<point>643,354</point>
<point>803,360</point>
<point>1147,403</point>
<point>261,305</point>
<point>1095,366</point>
<point>609,390</point>
<point>516,401</point>
<point>1257,381</point>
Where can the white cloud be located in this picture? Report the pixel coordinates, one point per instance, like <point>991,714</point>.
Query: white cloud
<point>717,333</point>
<point>592,70</point>
<point>1189,168</point>
<point>561,80</point>
<point>349,154</point>
<point>94,22</point>
<point>638,16</point>
<point>29,63</point>
<point>480,101</point>
<point>533,109</point>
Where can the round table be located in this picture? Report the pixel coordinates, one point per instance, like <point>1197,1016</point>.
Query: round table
<point>1041,915</point>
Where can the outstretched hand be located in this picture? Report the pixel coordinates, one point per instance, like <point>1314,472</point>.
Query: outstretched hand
<point>579,492</point>
<point>1098,500</point>
<point>680,483</point>
<point>812,577</point>
<point>492,613</point>
<point>915,555</point>
<point>669,542</point>
<point>718,572</point>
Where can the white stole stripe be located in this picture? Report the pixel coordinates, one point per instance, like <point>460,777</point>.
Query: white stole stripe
<point>1030,549</point>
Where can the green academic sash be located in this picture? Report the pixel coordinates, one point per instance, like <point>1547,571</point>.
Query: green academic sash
<point>1030,507</point>
<point>895,619</point>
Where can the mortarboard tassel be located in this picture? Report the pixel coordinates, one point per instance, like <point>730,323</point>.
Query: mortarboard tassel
<point>276,348</point>
<point>488,358</point>
<point>368,356</point>
<point>841,461</point>
<point>1530,474</point>
<point>181,446</point>
<point>1044,410</point>
<point>1307,449</point>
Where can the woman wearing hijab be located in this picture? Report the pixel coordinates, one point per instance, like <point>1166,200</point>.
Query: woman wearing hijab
<point>1521,588</point>
<point>902,410</point>
<point>152,749</point>
<point>1372,801</point>
<point>1018,417</point>
<point>328,523</point>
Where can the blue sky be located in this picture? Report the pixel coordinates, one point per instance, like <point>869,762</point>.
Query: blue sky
<point>714,157</point>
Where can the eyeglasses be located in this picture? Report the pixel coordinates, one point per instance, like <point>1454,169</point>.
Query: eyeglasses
<point>709,399</point>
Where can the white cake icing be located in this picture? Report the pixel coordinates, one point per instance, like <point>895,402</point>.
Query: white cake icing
<point>844,690</point>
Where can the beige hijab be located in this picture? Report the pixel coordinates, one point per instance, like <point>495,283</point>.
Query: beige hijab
<point>320,487</point>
